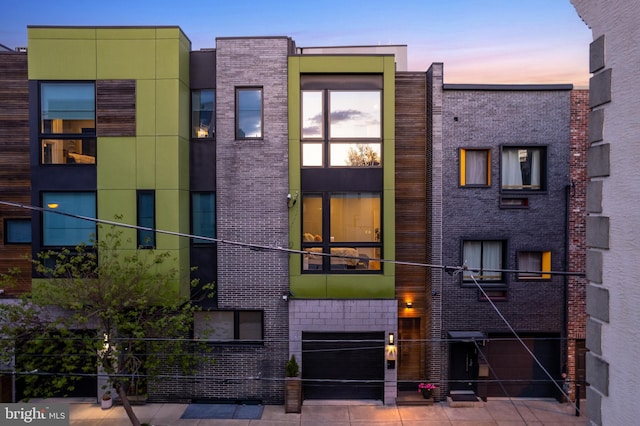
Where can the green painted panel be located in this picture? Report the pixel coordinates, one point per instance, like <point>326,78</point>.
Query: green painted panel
<point>183,168</point>
<point>168,162</point>
<point>126,59</point>
<point>119,202</point>
<point>169,32</point>
<point>184,120</point>
<point>123,33</point>
<point>146,107</point>
<point>341,64</point>
<point>168,217</point>
<point>116,163</point>
<point>146,161</point>
<point>185,49</point>
<point>60,33</point>
<point>349,287</point>
<point>167,58</point>
<point>314,287</point>
<point>63,59</point>
<point>167,107</point>
<point>185,218</point>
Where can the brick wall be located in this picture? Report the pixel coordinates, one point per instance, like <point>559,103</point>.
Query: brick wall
<point>490,119</point>
<point>251,196</point>
<point>576,293</point>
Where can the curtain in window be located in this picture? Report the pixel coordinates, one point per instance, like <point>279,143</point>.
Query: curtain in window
<point>476,167</point>
<point>472,253</point>
<point>511,171</point>
<point>491,259</point>
<point>531,262</point>
<point>535,168</point>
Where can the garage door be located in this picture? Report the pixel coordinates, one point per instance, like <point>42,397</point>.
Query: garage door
<point>517,371</point>
<point>343,365</point>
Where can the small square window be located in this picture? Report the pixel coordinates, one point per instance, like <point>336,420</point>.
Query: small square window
<point>492,294</point>
<point>534,265</point>
<point>249,113</point>
<point>17,231</point>
<point>475,167</point>
<point>523,168</point>
<point>229,326</point>
<point>514,202</point>
<point>485,261</point>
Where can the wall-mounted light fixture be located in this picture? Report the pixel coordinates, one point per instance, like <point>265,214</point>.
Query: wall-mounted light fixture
<point>292,199</point>
<point>409,305</point>
<point>391,352</point>
<point>53,205</point>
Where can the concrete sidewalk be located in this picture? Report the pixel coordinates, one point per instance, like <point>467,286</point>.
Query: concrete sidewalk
<point>495,412</point>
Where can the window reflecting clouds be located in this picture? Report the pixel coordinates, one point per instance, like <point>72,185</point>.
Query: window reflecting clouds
<point>354,114</point>
<point>249,113</point>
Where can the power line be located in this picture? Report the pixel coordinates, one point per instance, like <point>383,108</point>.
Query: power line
<point>261,247</point>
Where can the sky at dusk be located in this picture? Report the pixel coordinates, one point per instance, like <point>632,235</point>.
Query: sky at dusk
<point>479,41</point>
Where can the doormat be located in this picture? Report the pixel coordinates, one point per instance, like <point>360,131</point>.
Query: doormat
<point>223,411</point>
<point>463,397</point>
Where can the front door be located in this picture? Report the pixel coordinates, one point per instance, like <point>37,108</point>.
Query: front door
<point>410,352</point>
<point>463,366</point>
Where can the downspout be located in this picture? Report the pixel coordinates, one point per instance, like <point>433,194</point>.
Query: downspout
<point>565,292</point>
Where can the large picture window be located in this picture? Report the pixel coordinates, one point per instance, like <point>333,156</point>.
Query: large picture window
<point>341,128</point>
<point>203,215</point>
<point>203,111</point>
<point>249,113</point>
<point>67,123</point>
<point>344,229</point>
<point>523,168</point>
<point>484,260</point>
<point>65,230</point>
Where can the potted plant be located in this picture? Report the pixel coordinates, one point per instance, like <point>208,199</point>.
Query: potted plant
<point>426,389</point>
<point>107,401</point>
<point>293,387</point>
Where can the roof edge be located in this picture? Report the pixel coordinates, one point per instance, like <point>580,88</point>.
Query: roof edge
<point>508,87</point>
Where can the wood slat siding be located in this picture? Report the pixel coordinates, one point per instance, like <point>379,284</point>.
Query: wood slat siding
<point>411,213</point>
<point>115,108</point>
<point>15,174</point>
<point>411,177</point>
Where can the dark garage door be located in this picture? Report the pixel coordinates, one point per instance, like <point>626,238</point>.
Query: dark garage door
<point>343,365</point>
<point>520,375</point>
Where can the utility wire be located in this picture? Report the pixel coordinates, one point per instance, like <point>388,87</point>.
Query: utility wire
<point>449,269</point>
<point>262,247</point>
<point>526,348</point>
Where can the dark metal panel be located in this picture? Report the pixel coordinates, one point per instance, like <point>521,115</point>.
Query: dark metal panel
<point>202,69</point>
<point>202,158</point>
<point>343,365</point>
<point>338,179</point>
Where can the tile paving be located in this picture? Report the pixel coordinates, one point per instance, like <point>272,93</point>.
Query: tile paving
<point>496,412</point>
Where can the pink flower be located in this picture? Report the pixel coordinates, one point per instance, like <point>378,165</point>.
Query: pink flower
<point>426,386</point>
